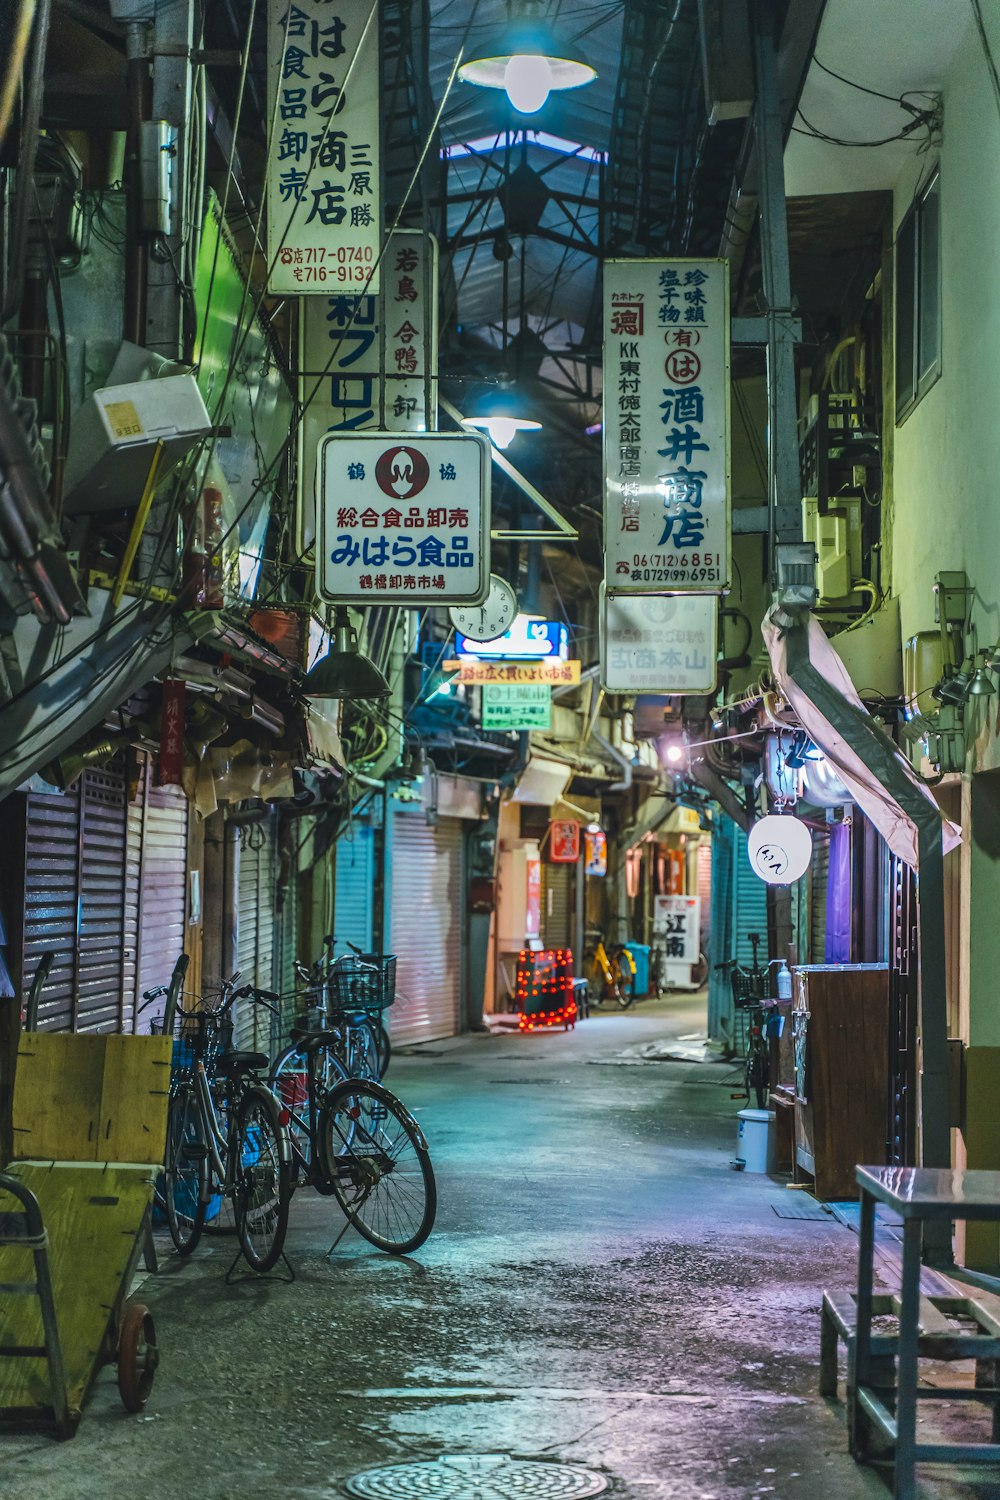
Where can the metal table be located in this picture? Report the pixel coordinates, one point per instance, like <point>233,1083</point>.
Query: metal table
<point>919,1195</point>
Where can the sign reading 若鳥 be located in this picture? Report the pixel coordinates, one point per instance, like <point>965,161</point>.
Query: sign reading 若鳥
<point>324,226</point>
<point>666,425</point>
<point>403,518</point>
<point>367,362</point>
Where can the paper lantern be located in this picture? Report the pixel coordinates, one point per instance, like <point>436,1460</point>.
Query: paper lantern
<point>780,848</point>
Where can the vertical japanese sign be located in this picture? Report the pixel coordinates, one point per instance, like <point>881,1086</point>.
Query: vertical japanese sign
<point>658,643</point>
<point>324,224</point>
<point>368,362</point>
<point>666,425</point>
<point>676,922</point>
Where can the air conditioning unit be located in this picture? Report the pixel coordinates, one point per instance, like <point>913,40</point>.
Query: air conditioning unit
<point>836,535</point>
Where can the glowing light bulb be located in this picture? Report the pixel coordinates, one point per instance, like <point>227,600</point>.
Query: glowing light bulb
<point>674,754</point>
<point>502,430</point>
<point>527,80</point>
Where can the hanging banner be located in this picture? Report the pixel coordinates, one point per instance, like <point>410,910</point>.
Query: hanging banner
<point>564,841</point>
<point>403,519</point>
<point>368,362</point>
<point>595,852</point>
<point>171,758</point>
<point>658,643</point>
<point>478,673</point>
<point>666,425</point>
<point>517,705</point>
<point>324,218</point>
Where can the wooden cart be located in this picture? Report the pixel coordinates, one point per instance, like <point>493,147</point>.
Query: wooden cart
<point>89,1132</point>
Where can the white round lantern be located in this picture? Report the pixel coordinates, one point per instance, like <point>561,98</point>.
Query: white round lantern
<point>780,848</point>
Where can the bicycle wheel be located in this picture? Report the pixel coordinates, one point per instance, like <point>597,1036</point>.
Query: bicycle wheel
<point>185,1171</point>
<point>362,1051</point>
<point>758,1073</point>
<point>260,1179</point>
<point>623,982</point>
<point>378,1165</point>
<point>384,1048</point>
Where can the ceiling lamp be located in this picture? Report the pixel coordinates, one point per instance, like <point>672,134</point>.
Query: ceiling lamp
<point>528,61</point>
<point>499,413</point>
<point>343,672</point>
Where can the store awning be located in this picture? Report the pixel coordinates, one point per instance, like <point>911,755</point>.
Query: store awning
<point>810,675</point>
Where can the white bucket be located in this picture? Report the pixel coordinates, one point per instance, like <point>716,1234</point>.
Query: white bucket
<point>756,1145</point>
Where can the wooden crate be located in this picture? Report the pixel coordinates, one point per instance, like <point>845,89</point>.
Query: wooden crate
<point>91,1098</point>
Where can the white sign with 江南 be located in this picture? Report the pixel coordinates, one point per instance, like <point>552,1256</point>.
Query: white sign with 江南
<point>324,228</point>
<point>676,923</point>
<point>658,643</point>
<point>666,425</point>
<point>403,518</point>
<point>368,362</point>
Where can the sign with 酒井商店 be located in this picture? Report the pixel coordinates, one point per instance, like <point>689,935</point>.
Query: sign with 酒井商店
<point>403,518</point>
<point>666,425</point>
<point>517,705</point>
<point>477,673</point>
<point>324,220</point>
<point>658,643</point>
<point>367,362</point>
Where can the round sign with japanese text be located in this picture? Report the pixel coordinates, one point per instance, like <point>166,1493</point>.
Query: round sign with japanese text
<point>779,848</point>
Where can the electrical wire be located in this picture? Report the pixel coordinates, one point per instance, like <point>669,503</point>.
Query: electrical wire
<point>924,118</point>
<point>987,51</point>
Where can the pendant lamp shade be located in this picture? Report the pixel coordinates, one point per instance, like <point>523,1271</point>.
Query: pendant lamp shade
<point>343,672</point>
<point>528,61</point>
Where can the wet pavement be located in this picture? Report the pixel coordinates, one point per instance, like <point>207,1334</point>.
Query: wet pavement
<point>601,1289</point>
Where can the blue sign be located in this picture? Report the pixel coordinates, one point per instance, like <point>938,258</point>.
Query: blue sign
<point>526,640</point>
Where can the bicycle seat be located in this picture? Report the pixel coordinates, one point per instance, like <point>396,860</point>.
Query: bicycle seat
<point>230,1064</point>
<point>314,1038</point>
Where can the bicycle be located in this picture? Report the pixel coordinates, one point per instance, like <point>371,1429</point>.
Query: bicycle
<point>226,1134</point>
<point>609,975</point>
<point>366,1047</point>
<point>763,1021</point>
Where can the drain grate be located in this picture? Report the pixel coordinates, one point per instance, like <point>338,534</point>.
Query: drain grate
<point>478,1476</point>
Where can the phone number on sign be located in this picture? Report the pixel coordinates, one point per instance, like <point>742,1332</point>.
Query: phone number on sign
<point>680,567</point>
<point>316,263</point>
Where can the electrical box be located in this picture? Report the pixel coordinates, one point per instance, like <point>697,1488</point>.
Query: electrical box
<point>114,436</point>
<point>836,535</point>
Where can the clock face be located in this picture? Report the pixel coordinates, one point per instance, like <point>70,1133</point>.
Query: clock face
<point>492,618</point>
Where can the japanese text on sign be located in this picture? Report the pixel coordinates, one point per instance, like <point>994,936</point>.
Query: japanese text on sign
<point>675,927</point>
<point>476,673</point>
<point>351,376</point>
<point>518,705</point>
<point>658,643</point>
<point>323,198</point>
<point>403,518</point>
<point>666,425</point>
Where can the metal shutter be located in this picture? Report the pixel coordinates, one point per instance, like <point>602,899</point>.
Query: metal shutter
<point>76,905</point>
<point>425,928</point>
<point>354,895</point>
<point>750,904</point>
<point>158,822</point>
<point>704,862</point>
<point>557,900</point>
<point>255,928</point>
<point>819,874</point>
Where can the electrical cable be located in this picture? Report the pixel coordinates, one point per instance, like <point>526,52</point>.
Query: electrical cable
<point>925,118</point>
<point>987,51</point>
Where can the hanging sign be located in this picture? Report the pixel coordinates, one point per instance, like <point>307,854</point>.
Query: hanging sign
<point>595,852</point>
<point>666,425</point>
<point>564,842</point>
<point>171,757</point>
<point>517,705</point>
<point>368,362</point>
<point>324,222</point>
<point>477,673</point>
<point>526,640</point>
<point>658,643</point>
<point>403,519</point>
<point>779,848</point>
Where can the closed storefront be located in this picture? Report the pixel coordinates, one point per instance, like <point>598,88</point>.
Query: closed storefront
<point>156,880</point>
<point>354,899</point>
<point>425,926</point>
<point>257,869</point>
<point>557,905</point>
<point>78,904</point>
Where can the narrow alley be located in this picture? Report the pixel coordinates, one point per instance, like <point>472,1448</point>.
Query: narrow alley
<point>601,1288</point>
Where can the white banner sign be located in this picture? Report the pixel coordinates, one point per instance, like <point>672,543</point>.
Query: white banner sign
<point>364,361</point>
<point>324,227</point>
<point>403,518</point>
<point>666,425</point>
<point>658,643</point>
<point>676,921</point>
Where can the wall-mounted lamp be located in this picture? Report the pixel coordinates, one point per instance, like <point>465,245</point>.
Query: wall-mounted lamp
<point>528,61</point>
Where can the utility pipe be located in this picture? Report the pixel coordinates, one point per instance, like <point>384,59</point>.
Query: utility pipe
<point>620,757</point>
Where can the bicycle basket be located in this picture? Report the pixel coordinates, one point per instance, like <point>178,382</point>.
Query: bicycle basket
<point>746,987</point>
<point>203,1037</point>
<point>362,984</point>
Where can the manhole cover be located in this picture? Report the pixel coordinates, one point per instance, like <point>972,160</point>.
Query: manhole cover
<point>478,1476</point>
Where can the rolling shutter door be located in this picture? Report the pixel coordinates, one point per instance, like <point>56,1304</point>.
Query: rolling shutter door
<point>255,930</point>
<point>425,928</point>
<point>819,873</point>
<point>750,905</point>
<point>557,888</point>
<point>354,892</point>
<point>77,906</point>
<point>158,821</point>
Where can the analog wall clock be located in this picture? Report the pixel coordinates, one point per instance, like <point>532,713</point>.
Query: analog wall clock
<point>492,618</point>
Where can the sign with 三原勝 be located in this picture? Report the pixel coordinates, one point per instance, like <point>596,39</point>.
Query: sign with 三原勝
<point>517,705</point>
<point>666,425</point>
<point>478,673</point>
<point>324,220</point>
<point>658,643</point>
<point>403,518</point>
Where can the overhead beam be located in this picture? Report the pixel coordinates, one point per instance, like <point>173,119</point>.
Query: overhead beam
<point>563,530</point>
